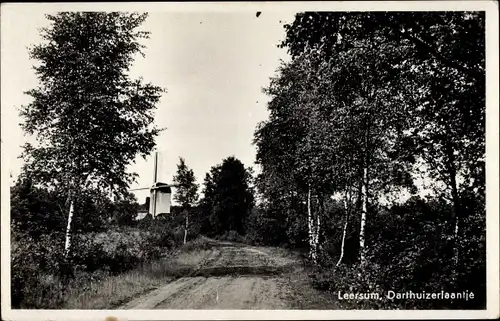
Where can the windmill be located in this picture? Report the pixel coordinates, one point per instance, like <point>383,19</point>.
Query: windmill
<point>160,193</point>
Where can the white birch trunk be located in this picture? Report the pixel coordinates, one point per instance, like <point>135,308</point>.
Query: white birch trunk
<point>316,235</point>
<point>186,228</point>
<point>310,226</point>
<point>344,230</point>
<point>67,243</point>
<point>456,242</point>
<point>364,199</point>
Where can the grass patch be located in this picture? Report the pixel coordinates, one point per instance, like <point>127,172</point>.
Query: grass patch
<point>111,291</point>
<point>199,243</point>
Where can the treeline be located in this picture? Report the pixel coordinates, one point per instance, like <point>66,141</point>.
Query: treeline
<point>227,201</point>
<point>368,103</point>
<point>107,239</point>
<point>38,210</point>
<point>226,204</point>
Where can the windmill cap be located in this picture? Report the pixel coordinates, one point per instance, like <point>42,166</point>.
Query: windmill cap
<point>162,187</point>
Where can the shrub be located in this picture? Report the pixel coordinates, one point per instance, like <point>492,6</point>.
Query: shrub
<point>231,236</point>
<point>35,211</point>
<point>276,225</point>
<point>248,239</point>
<point>32,261</point>
<point>199,243</point>
<point>117,250</point>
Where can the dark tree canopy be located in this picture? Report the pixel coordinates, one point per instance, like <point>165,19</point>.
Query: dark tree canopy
<point>449,38</point>
<point>228,197</point>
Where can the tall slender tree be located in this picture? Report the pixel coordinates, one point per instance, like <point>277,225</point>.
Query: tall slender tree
<point>343,129</point>
<point>187,191</point>
<point>89,117</point>
<point>439,69</point>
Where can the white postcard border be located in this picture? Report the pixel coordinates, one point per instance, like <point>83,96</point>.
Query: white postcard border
<point>492,167</point>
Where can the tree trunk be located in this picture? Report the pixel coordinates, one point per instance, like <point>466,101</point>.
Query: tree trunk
<point>319,229</point>
<point>456,210</point>
<point>316,234</point>
<point>457,243</point>
<point>67,243</point>
<point>364,199</point>
<point>452,172</point>
<point>312,253</point>
<point>186,227</point>
<point>344,230</point>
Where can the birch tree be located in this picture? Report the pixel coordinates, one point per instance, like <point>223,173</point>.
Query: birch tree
<point>285,145</point>
<point>347,115</point>
<point>440,64</point>
<point>89,118</point>
<point>187,191</point>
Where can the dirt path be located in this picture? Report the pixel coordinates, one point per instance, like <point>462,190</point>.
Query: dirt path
<point>236,276</point>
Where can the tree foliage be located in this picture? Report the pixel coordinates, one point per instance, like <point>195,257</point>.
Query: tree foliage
<point>187,189</point>
<point>89,117</point>
<point>228,198</point>
<point>366,100</point>
<point>438,69</point>
<point>34,211</point>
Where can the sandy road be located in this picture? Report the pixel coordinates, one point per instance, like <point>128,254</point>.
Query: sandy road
<point>233,276</point>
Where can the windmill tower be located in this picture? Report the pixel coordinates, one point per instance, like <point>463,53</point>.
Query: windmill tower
<point>160,193</point>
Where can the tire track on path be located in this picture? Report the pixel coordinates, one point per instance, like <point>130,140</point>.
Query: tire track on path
<point>232,276</point>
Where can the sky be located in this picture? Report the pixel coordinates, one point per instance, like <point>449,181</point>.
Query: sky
<point>213,66</point>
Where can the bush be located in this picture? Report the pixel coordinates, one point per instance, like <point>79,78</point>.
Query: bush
<point>248,239</point>
<point>231,236</point>
<point>32,262</point>
<point>35,211</point>
<point>125,210</point>
<point>40,272</point>
<point>353,279</point>
<point>115,250</point>
<point>199,243</point>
